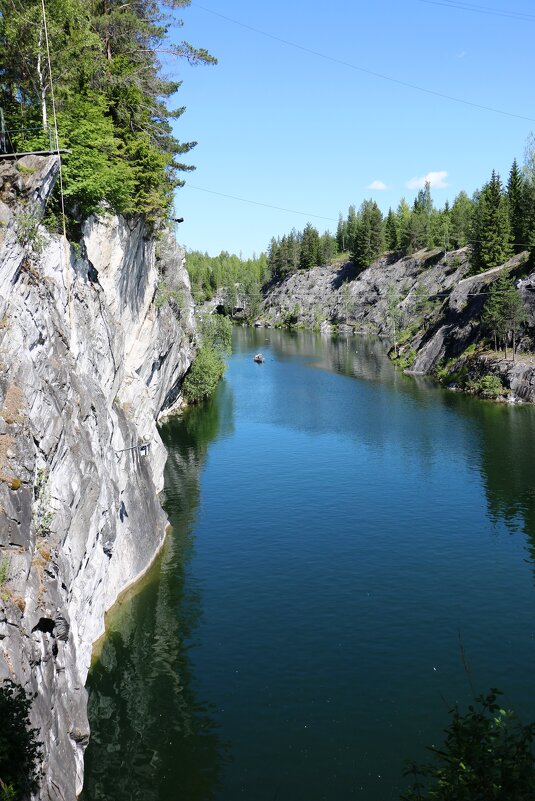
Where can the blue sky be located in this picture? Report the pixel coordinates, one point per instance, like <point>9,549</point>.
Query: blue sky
<point>286,127</point>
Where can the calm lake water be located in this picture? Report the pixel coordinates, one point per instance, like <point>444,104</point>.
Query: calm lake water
<point>352,551</point>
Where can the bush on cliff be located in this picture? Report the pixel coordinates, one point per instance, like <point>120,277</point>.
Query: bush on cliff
<point>203,376</point>
<point>209,364</point>
<point>19,748</point>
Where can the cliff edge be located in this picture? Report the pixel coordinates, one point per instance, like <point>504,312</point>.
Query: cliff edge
<point>90,357</point>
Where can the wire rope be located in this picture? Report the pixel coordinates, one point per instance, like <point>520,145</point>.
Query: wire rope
<point>56,135</point>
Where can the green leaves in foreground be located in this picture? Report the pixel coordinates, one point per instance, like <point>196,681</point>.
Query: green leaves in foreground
<point>487,756</point>
<point>19,749</point>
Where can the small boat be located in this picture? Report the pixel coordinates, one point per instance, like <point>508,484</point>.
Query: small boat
<point>259,358</point>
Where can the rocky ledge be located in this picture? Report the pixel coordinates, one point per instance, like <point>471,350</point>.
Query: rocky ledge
<point>88,362</point>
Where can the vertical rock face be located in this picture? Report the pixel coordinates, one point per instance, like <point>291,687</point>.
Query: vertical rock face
<point>88,362</point>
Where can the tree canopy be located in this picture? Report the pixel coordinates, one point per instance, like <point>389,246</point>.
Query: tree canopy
<point>113,105</point>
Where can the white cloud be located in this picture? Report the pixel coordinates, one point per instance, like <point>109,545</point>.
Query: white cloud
<point>462,54</point>
<point>437,180</point>
<point>379,185</point>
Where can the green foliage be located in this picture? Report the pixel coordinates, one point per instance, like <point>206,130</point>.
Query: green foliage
<point>164,294</point>
<point>404,358</point>
<point>4,571</point>
<point>203,376</point>
<point>461,220</point>
<point>7,792</point>
<point>491,227</point>
<point>504,312</point>
<point>391,231</point>
<point>27,231</point>
<point>110,97</point>
<point>209,365</point>
<point>452,372</point>
<point>236,278</point>
<point>489,386</point>
<point>216,333</point>
<point>302,250</point>
<point>310,253</point>
<point>19,748</point>
<point>487,756</point>
<point>369,242</point>
<point>96,171</point>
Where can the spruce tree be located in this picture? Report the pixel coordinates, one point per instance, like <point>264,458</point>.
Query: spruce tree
<point>369,239</point>
<point>516,201</point>
<point>492,231</point>
<point>391,231</point>
<point>309,248</point>
<point>403,219</point>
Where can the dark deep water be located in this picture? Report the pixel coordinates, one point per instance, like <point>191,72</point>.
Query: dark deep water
<point>339,530</point>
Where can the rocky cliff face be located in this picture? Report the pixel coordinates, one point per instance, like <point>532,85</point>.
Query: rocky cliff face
<point>88,362</point>
<point>337,295</point>
<point>438,303</point>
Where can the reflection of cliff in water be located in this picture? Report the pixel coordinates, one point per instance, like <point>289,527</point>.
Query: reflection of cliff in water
<point>151,738</point>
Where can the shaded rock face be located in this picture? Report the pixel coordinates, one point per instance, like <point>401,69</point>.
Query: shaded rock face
<point>88,363</point>
<point>338,295</point>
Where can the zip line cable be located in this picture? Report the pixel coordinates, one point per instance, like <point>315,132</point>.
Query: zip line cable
<point>258,203</point>
<point>65,253</point>
<point>306,214</point>
<point>364,70</point>
<point>495,12</point>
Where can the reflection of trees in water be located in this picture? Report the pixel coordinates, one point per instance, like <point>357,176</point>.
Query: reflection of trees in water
<point>507,464</point>
<point>152,740</point>
<point>497,440</point>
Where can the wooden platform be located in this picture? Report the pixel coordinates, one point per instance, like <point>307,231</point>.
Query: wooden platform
<point>34,153</point>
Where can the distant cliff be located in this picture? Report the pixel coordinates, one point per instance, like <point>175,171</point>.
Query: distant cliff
<point>94,343</point>
<point>432,301</point>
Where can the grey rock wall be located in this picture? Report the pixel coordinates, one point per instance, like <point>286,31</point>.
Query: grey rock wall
<point>336,295</point>
<point>88,362</point>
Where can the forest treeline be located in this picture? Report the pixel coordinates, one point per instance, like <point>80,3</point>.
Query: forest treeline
<point>113,105</point>
<point>497,221</point>
<point>236,281</point>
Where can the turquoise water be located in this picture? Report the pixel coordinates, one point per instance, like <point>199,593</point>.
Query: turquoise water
<point>352,553</point>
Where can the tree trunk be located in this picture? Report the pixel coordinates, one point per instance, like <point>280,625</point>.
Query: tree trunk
<point>42,83</point>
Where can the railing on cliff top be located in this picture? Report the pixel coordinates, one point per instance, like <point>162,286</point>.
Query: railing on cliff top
<point>30,140</point>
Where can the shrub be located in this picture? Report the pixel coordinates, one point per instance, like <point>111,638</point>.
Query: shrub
<point>19,747</point>
<point>4,571</point>
<point>27,231</point>
<point>487,756</point>
<point>203,376</point>
<point>491,386</point>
